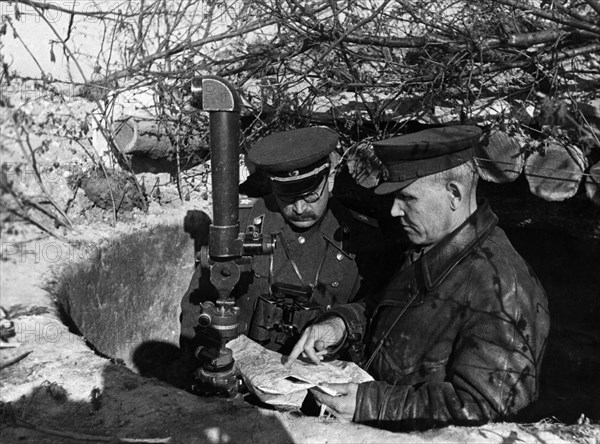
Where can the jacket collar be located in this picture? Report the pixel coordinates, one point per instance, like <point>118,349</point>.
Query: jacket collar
<point>438,262</point>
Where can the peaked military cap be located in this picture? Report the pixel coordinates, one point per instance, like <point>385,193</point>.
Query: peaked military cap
<point>412,156</point>
<point>296,160</point>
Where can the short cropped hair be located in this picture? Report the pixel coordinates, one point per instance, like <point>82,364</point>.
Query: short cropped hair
<point>465,174</point>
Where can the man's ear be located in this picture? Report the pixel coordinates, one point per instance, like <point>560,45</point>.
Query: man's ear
<point>456,194</point>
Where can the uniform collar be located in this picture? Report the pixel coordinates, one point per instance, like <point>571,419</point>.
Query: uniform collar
<point>328,226</point>
<point>438,262</point>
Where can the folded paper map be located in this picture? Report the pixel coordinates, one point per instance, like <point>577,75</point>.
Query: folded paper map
<point>273,383</point>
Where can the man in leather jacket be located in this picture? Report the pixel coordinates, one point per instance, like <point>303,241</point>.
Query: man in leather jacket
<point>324,255</point>
<point>458,335</point>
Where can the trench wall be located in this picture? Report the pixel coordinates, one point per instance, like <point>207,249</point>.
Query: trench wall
<point>129,291</point>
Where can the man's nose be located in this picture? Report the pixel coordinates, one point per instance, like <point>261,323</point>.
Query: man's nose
<point>300,206</point>
<point>397,210</point>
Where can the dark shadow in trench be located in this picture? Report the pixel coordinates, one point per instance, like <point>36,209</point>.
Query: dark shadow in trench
<point>569,269</point>
<point>129,406</point>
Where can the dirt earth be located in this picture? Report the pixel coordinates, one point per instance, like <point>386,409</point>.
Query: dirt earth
<point>55,389</point>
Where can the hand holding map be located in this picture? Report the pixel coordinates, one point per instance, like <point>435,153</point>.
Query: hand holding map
<point>286,386</point>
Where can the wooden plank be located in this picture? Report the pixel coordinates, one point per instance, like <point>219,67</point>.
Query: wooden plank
<point>555,174</point>
<point>501,159</point>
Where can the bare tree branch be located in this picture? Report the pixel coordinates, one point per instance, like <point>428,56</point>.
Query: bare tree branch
<point>186,47</point>
<point>594,4</point>
<point>552,16</point>
<point>53,6</point>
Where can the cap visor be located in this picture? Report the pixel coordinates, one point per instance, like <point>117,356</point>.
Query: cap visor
<point>392,187</point>
<point>297,187</point>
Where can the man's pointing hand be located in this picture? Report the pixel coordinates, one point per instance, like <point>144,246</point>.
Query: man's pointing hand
<point>316,338</point>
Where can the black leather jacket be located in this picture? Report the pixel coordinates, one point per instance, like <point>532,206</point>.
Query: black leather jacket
<point>469,345</point>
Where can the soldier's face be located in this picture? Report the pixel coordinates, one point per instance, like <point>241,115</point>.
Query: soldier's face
<point>424,211</point>
<point>305,211</point>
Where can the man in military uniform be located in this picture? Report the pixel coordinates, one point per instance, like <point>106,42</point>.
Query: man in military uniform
<point>325,255</point>
<point>458,334</point>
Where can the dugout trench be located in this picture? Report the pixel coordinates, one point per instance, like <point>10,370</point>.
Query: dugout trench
<point>126,296</point>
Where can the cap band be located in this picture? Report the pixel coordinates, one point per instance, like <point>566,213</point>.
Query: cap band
<point>401,171</point>
<point>402,174</point>
<point>296,176</point>
<point>301,187</point>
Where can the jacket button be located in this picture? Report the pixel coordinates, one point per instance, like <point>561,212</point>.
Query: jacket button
<point>301,240</point>
<point>339,256</point>
<point>335,284</point>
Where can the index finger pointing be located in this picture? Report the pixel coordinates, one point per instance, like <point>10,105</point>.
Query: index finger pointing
<point>296,351</point>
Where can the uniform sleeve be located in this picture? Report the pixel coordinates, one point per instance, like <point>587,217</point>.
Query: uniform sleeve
<point>492,373</point>
<point>355,317</point>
